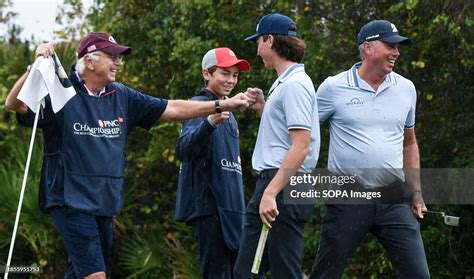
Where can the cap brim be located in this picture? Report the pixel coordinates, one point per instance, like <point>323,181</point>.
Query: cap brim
<point>397,39</point>
<point>252,38</point>
<point>118,49</point>
<point>243,65</point>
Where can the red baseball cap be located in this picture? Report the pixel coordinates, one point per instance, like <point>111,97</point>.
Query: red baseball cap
<point>95,41</point>
<point>223,57</point>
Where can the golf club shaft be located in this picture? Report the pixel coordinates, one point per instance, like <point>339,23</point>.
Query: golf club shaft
<point>434,212</point>
<point>260,247</point>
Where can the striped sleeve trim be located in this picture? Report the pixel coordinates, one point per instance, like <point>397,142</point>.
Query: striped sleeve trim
<point>299,127</point>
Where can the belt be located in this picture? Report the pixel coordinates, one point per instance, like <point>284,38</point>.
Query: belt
<point>395,184</point>
<point>270,173</point>
<point>267,174</point>
<point>393,193</point>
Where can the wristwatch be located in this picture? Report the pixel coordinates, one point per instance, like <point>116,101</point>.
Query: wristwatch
<point>218,106</point>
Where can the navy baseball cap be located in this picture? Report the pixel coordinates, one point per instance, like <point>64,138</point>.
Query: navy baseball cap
<point>273,24</point>
<point>381,30</point>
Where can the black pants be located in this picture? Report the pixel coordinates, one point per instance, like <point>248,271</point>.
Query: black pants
<point>345,225</point>
<point>216,259</point>
<point>284,247</point>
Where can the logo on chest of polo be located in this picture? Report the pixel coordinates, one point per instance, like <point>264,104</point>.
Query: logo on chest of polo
<point>355,101</point>
<point>103,128</point>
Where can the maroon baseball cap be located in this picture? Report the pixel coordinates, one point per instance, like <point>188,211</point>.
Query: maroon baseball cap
<point>95,41</point>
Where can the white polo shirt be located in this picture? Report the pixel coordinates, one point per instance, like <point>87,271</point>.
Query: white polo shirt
<point>367,126</point>
<point>291,104</point>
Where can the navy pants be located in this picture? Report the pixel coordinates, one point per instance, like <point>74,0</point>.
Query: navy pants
<point>394,225</point>
<point>284,247</point>
<point>88,240</point>
<point>215,258</point>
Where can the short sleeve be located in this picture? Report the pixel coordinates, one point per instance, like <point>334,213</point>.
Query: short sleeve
<point>144,110</point>
<point>325,98</point>
<point>410,121</point>
<point>298,103</point>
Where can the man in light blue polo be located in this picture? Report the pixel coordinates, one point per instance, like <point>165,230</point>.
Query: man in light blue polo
<point>371,111</point>
<point>287,143</point>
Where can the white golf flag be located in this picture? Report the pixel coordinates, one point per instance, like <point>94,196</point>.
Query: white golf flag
<point>46,76</point>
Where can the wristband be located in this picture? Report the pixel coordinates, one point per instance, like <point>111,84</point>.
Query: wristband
<point>419,191</point>
<point>28,68</point>
<point>218,106</point>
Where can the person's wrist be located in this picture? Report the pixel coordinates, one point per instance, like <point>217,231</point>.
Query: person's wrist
<point>417,197</point>
<point>270,192</point>
<point>211,122</point>
<point>224,105</point>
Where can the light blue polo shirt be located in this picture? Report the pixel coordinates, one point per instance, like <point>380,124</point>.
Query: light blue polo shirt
<point>367,126</point>
<point>291,104</point>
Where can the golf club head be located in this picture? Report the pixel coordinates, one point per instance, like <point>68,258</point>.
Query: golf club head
<point>451,220</point>
<point>448,220</point>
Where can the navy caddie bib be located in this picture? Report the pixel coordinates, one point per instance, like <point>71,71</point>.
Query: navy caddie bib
<point>227,184</point>
<point>95,130</point>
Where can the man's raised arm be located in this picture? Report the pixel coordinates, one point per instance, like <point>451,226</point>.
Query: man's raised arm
<point>183,109</point>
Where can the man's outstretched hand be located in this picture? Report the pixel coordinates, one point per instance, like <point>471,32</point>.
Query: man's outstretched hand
<point>239,101</point>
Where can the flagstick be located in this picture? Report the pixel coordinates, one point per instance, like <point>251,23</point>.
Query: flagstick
<point>22,193</point>
<point>260,247</point>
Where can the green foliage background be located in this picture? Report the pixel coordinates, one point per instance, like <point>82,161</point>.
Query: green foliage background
<point>169,38</point>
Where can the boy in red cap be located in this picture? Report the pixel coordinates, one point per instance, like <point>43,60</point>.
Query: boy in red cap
<point>82,177</point>
<point>210,194</point>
